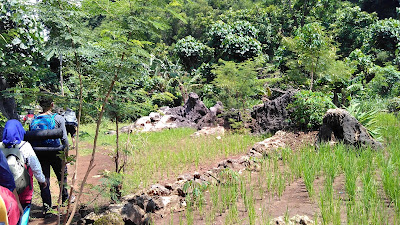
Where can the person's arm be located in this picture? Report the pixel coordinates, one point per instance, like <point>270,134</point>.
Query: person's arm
<point>33,163</point>
<point>61,124</point>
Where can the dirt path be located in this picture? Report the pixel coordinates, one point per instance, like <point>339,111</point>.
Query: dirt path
<point>103,162</point>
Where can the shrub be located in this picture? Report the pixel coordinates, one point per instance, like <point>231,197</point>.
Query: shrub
<point>3,120</point>
<point>309,108</point>
<point>163,99</point>
<point>394,105</point>
<point>235,41</point>
<point>386,81</point>
<point>192,52</point>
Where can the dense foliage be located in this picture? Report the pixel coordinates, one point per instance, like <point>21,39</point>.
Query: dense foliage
<point>309,108</point>
<point>230,51</point>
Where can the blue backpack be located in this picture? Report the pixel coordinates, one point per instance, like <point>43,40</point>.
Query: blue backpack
<point>44,122</point>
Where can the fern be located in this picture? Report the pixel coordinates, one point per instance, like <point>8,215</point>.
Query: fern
<point>367,117</point>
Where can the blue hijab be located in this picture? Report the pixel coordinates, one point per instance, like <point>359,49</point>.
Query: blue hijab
<point>13,133</point>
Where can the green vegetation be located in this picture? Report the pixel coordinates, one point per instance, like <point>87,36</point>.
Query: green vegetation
<point>309,108</point>
<point>162,50</point>
<point>149,54</point>
<point>363,182</point>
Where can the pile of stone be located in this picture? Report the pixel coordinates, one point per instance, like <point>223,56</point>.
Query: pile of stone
<point>192,114</point>
<point>295,220</point>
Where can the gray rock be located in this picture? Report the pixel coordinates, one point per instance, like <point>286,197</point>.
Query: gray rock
<point>211,118</point>
<point>159,190</point>
<point>133,213</point>
<point>272,115</point>
<point>345,128</point>
<point>111,132</point>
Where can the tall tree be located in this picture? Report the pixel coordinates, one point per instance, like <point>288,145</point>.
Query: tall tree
<point>311,45</point>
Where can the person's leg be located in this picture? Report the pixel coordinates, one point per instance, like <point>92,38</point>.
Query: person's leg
<point>45,192</point>
<point>57,165</point>
<point>73,134</point>
<point>71,130</point>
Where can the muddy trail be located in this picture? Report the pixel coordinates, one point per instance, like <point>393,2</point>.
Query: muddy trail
<point>91,196</point>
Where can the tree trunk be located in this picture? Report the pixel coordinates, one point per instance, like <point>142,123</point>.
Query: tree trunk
<point>7,104</point>
<point>343,97</point>
<point>312,78</point>
<point>303,13</point>
<point>335,97</point>
<point>61,76</point>
<point>116,159</point>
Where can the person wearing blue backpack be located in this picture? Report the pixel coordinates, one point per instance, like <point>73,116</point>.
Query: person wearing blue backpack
<point>47,120</point>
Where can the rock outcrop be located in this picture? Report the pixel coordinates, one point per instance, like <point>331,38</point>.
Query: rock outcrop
<point>211,118</point>
<point>272,115</point>
<point>339,125</point>
<point>192,114</point>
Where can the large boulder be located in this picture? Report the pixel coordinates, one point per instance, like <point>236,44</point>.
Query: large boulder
<point>339,124</point>
<point>193,109</point>
<point>211,118</point>
<point>273,114</point>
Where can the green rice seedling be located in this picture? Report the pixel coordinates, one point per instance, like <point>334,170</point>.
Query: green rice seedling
<point>230,181</point>
<point>210,217</point>
<point>336,212</point>
<point>194,197</point>
<point>286,155</point>
<point>350,172</point>
<point>316,218</point>
<point>180,219</point>
<point>390,183</point>
<point>233,215</point>
<point>286,215</point>
<point>329,163</point>
<point>216,203</point>
<point>189,213</point>
<point>326,203</point>
<point>243,192</point>
<point>308,165</point>
<point>281,184</point>
<point>171,221</point>
<point>295,165</point>
<point>251,208</point>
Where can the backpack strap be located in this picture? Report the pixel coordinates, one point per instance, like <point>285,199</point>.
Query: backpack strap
<point>12,151</point>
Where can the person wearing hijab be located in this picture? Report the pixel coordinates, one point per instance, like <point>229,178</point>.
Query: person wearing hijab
<point>13,136</point>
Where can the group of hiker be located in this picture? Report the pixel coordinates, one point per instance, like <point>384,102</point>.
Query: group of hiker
<point>20,160</point>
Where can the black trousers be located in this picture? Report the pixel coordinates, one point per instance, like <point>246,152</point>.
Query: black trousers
<point>47,159</point>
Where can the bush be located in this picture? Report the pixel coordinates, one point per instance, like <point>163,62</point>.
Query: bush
<point>309,108</point>
<point>394,105</point>
<point>237,41</point>
<point>192,52</point>
<point>163,99</point>
<point>386,81</point>
<point>3,120</point>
